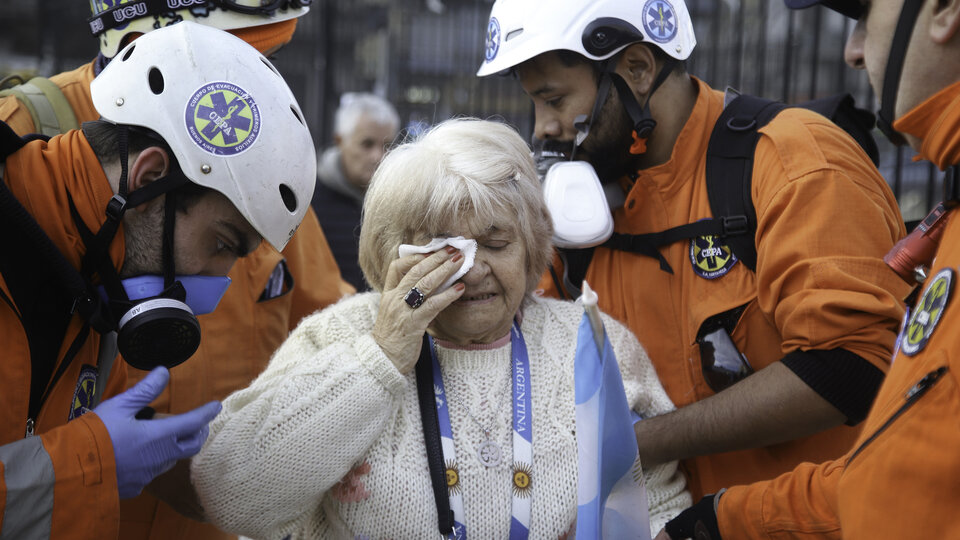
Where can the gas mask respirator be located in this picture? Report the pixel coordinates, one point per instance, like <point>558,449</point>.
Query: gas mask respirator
<point>579,204</point>
<point>575,197</point>
<point>154,316</point>
<point>157,324</point>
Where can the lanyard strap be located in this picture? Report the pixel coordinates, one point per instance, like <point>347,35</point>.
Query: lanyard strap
<point>431,436</point>
<point>522,442</point>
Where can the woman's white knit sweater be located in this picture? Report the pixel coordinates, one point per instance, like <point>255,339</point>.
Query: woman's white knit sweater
<point>327,441</point>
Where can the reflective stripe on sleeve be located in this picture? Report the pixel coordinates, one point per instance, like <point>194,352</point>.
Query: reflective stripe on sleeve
<point>29,478</point>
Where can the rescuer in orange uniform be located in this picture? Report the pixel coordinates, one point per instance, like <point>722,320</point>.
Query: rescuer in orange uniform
<point>899,480</point>
<point>116,237</point>
<point>270,292</point>
<point>818,318</point>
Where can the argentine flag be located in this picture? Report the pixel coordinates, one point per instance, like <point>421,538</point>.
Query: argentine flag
<point>611,497</point>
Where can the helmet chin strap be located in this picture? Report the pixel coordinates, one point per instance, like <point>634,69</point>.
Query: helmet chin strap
<point>97,258</point>
<point>640,116</point>
<point>161,330</point>
<point>891,76</point>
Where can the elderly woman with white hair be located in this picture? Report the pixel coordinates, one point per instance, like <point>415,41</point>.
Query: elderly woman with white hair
<point>329,441</point>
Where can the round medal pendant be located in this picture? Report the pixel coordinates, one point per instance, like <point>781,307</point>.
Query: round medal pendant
<point>489,454</point>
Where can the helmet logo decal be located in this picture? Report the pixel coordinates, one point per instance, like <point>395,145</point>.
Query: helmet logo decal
<point>222,118</point>
<point>927,313</point>
<point>492,43</point>
<point>710,258</point>
<point>659,20</point>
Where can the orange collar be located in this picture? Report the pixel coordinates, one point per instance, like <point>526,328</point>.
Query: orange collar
<point>936,122</point>
<point>42,174</point>
<point>691,142</point>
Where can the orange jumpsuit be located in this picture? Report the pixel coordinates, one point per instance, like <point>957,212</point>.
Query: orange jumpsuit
<point>238,337</point>
<point>79,454</point>
<point>825,220</point>
<point>900,478</point>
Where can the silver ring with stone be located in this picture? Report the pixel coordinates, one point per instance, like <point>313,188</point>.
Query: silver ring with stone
<point>414,298</point>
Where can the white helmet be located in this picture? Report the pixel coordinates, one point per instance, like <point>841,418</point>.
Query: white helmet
<point>113,20</point>
<point>519,30</point>
<point>227,114</point>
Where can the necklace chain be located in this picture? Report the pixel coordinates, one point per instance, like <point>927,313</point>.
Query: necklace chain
<point>486,431</point>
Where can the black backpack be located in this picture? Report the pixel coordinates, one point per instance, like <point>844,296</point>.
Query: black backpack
<point>729,174</point>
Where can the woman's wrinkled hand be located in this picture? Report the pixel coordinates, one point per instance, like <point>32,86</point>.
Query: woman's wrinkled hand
<point>399,327</point>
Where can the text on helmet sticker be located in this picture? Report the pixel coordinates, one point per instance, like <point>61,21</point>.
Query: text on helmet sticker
<point>222,118</point>
<point>659,20</point>
<point>492,44</point>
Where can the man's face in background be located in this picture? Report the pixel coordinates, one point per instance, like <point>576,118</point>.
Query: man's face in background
<point>362,150</point>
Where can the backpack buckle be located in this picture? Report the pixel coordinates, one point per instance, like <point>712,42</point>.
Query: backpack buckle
<point>733,225</point>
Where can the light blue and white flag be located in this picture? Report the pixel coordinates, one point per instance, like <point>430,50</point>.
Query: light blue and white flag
<point>611,496</point>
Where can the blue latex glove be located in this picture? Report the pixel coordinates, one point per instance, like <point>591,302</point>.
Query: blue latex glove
<point>145,449</point>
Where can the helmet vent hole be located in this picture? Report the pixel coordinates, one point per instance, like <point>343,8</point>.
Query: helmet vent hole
<point>296,113</point>
<point>269,65</point>
<point>156,81</point>
<point>289,199</point>
<point>127,54</point>
<point>513,34</point>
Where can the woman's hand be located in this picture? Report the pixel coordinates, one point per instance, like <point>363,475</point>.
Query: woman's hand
<point>399,327</point>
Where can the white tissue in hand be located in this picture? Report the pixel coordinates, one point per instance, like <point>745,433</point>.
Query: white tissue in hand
<point>467,246</point>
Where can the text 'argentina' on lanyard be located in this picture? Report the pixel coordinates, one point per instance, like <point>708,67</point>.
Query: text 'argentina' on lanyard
<point>441,454</point>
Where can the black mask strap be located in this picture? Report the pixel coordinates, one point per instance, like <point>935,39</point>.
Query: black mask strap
<point>97,259</point>
<point>643,122</point>
<point>169,221</point>
<point>891,77</point>
<point>582,123</point>
<point>98,245</point>
<point>101,318</point>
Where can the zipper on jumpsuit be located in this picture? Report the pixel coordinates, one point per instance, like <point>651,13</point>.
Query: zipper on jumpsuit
<point>912,396</point>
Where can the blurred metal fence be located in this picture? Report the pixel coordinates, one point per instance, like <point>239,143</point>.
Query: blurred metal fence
<point>422,55</point>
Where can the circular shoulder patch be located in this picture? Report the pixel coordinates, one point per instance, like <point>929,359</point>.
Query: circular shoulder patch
<point>710,258</point>
<point>659,20</point>
<point>84,392</point>
<point>492,42</point>
<point>222,118</point>
<point>927,313</point>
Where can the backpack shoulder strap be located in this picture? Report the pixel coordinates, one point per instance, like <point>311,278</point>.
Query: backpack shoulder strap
<point>48,107</point>
<point>729,169</point>
<point>10,142</point>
